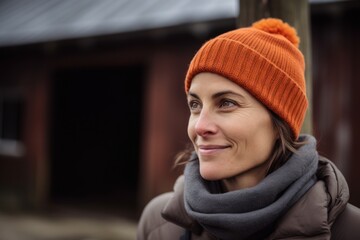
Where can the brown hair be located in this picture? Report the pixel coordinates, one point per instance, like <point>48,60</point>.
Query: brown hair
<point>284,146</point>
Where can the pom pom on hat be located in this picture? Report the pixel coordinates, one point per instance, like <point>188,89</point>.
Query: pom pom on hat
<point>277,26</point>
<point>265,60</point>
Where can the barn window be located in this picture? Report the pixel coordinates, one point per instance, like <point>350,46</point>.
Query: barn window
<point>11,116</point>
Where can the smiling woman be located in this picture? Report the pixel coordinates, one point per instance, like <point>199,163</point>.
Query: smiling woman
<point>231,131</point>
<point>250,173</point>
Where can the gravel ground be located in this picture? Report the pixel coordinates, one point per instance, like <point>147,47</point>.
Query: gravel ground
<point>65,227</point>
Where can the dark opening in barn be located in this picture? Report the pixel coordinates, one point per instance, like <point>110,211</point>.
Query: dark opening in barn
<point>95,137</point>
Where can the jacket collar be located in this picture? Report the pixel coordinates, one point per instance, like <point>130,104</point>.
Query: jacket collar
<point>174,211</point>
<point>317,210</point>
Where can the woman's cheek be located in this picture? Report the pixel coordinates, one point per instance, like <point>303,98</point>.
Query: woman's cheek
<point>190,128</point>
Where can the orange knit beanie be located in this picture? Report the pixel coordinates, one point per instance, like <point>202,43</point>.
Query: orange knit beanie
<point>265,60</point>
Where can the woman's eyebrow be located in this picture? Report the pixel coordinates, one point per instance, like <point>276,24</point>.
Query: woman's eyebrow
<point>218,94</point>
<point>193,95</point>
<point>227,92</point>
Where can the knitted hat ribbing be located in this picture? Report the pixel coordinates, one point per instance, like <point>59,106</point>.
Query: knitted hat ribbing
<point>263,59</point>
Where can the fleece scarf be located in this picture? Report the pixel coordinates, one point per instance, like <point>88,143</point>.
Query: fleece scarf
<point>252,212</point>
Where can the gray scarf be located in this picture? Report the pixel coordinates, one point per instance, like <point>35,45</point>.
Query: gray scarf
<point>252,212</point>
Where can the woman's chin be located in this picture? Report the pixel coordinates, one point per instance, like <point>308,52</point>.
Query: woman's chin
<point>210,174</point>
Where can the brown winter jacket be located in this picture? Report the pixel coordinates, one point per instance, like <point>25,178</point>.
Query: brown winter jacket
<point>322,213</point>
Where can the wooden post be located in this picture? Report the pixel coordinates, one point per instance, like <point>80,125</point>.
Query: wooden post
<point>295,13</point>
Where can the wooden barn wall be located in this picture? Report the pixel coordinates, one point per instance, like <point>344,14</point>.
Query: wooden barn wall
<point>25,180</point>
<point>336,73</point>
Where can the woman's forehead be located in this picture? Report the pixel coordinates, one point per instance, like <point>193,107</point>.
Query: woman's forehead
<point>210,82</point>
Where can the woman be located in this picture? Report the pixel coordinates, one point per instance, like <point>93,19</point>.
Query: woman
<point>251,174</point>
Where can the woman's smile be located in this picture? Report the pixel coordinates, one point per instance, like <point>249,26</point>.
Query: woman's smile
<point>211,149</point>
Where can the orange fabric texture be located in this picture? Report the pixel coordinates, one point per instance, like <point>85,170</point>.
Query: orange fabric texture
<point>265,60</point>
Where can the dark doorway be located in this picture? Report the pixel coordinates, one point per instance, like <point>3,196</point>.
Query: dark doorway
<point>95,137</point>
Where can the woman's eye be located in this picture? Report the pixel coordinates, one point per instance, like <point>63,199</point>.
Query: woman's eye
<point>227,103</point>
<point>194,105</point>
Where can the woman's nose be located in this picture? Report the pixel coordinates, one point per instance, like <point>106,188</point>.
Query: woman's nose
<point>205,124</point>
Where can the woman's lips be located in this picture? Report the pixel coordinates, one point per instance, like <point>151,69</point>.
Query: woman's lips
<point>211,149</point>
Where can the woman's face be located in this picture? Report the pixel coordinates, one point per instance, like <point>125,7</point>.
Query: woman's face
<point>232,133</point>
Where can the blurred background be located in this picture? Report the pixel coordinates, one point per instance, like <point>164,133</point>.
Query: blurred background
<point>92,108</point>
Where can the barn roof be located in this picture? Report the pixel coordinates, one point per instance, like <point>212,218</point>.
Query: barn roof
<point>36,21</point>
<point>24,21</point>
